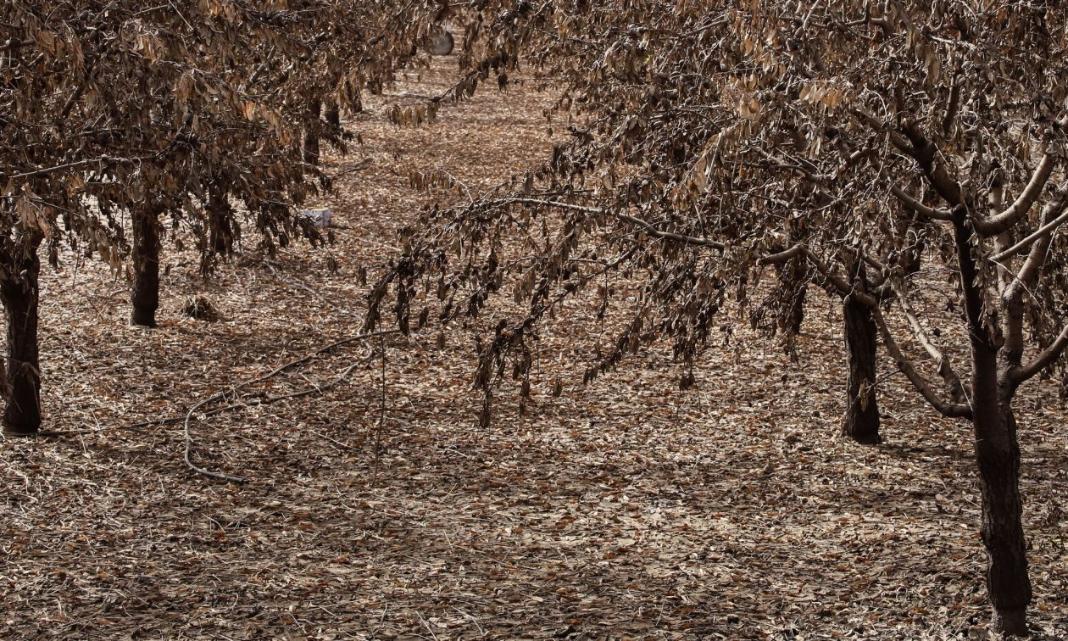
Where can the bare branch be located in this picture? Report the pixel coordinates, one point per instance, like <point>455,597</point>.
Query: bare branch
<point>876,124</point>
<point>922,385</point>
<point>783,256</point>
<point>1017,210</point>
<point>1028,274</point>
<point>187,455</point>
<point>915,205</point>
<point>1047,358</point>
<point>79,163</point>
<point>945,368</point>
<point>1044,230</point>
<point>951,109</point>
<point>926,154</point>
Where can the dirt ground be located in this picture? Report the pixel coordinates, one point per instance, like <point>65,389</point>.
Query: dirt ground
<point>625,509</point>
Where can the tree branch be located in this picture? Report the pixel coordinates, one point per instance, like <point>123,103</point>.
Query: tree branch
<point>837,281</point>
<point>783,256</point>
<point>79,163</point>
<point>1029,272</point>
<point>945,368</point>
<point>187,455</point>
<point>1045,359</point>
<point>1042,231</point>
<point>951,109</point>
<point>922,385</point>
<point>926,154</point>
<point>915,205</point>
<point>1001,222</point>
<point>878,125</point>
<point>633,220</point>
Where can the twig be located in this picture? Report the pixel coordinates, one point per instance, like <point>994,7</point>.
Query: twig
<point>382,409</point>
<point>188,438</point>
<point>336,442</point>
<point>426,625</point>
<point>353,169</point>
<point>245,404</point>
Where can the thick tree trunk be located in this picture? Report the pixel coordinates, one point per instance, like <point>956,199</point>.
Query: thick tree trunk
<point>20,296</point>
<point>311,132</point>
<point>999,479</point>
<point>997,453</point>
<point>146,246</point>
<point>862,414</point>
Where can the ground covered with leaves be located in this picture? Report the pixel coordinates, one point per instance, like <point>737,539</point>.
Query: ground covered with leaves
<point>623,509</point>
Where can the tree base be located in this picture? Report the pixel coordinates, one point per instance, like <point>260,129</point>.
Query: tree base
<point>142,318</point>
<point>863,437</point>
<point>1011,623</point>
<point>20,430</point>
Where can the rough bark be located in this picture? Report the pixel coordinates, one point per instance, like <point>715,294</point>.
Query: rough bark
<point>311,132</point>
<point>997,453</point>
<point>20,296</point>
<point>861,421</point>
<point>146,246</point>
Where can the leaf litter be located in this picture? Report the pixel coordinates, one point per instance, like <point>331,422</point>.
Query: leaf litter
<point>625,509</point>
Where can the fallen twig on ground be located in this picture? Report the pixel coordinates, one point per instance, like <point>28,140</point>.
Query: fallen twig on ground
<point>188,439</point>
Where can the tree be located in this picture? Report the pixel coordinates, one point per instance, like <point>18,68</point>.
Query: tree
<point>282,64</point>
<point>702,131</point>
<point>119,122</point>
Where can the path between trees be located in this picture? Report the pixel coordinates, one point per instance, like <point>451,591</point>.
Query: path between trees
<point>627,509</point>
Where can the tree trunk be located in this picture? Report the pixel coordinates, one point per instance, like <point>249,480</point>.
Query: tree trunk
<point>792,289</point>
<point>20,296</point>
<point>997,453</point>
<point>333,116</point>
<point>311,132</point>
<point>221,231</point>
<point>862,414</point>
<point>1002,530</point>
<point>796,315</point>
<point>146,245</point>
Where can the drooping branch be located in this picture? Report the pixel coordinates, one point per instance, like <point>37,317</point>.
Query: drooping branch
<point>645,225</point>
<point>187,454</point>
<point>101,160</point>
<point>922,385</point>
